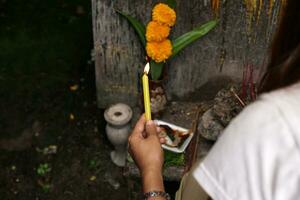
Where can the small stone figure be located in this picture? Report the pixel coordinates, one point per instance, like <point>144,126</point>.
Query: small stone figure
<point>224,109</point>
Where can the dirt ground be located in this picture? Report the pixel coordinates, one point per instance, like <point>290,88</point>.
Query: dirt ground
<point>80,167</point>
<point>52,138</point>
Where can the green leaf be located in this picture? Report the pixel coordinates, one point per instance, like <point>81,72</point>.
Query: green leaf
<point>189,37</point>
<point>171,3</point>
<point>156,69</point>
<point>138,26</point>
<point>46,187</point>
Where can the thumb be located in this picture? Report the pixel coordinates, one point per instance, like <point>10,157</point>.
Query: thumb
<point>151,128</point>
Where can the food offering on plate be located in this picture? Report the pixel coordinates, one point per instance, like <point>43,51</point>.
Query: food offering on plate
<point>177,138</point>
<point>174,138</point>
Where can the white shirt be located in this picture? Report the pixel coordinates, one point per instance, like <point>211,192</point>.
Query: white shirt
<point>258,155</point>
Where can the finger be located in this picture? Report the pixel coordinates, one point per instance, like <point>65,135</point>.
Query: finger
<point>151,128</point>
<point>139,127</point>
<point>158,129</point>
<point>144,134</point>
<point>162,140</point>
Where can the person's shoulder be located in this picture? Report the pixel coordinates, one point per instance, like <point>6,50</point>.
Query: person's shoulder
<point>257,114</point>
<point>275,103</point>
<point>286,95</point>
<point>269,115</point>
<point>246,135</point>
<point>287,103</point>
<point>258,121</point>
<point>259,137</point>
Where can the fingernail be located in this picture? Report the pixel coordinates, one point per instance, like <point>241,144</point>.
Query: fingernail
<point>149,123</point>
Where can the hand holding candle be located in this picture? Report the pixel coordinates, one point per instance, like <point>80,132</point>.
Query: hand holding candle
<point>146,92</point>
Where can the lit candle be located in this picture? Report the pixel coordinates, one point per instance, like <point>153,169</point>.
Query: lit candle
<point>146,92</point>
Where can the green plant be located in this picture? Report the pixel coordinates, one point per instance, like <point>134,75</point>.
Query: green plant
<point>173,159</point>
<point>43,169</point>
<point>92,164</point>
<point>177,44</point>
<point>46,187</point>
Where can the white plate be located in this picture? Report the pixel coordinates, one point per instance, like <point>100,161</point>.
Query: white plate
<point>186,142</point>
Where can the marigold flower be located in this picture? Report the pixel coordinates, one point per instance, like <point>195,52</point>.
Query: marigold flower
<point>157,32</point>
<point>162,13</point>
<point>159,51</point>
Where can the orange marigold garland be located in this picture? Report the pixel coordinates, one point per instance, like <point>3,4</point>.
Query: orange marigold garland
<point>157,32</point>
<point>158,47</point>
<point>162,13</point>
<point>159,51</point>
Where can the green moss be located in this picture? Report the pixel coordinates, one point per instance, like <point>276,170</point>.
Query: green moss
<point>173,159</point>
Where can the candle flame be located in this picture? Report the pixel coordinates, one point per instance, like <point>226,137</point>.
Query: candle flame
<point>147,68</point>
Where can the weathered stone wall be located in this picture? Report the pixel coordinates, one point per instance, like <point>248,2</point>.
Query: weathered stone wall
<point>223,52</point>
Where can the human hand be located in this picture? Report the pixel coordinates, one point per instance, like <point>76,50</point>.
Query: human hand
<point>145,146</point>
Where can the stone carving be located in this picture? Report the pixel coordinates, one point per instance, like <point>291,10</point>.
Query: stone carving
<point>225,107</point>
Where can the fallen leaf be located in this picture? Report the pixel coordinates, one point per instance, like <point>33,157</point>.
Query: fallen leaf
<point>93,178</point>
<point>72,117</point>
<point>74,87</point>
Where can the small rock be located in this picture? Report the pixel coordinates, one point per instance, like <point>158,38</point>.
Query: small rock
<point>51,149</point>
<point>225,108</point>
<point>112,181</point>
<point>209,127</point>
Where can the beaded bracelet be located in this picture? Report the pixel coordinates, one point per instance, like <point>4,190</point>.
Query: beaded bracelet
<point>157,194</point>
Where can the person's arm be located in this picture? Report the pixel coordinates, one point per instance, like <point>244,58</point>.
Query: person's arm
<point>145,148</point>
<point>153,181</point>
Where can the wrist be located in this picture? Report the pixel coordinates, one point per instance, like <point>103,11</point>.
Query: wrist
<point>151,171</point>
<point>152,180</point>
<point>157,195</point>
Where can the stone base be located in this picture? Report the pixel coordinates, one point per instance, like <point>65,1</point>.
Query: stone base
<point>118,158</point>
